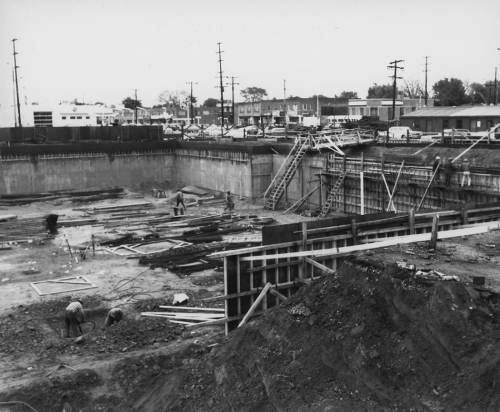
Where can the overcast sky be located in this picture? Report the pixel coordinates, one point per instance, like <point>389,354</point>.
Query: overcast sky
<point>96,50</point>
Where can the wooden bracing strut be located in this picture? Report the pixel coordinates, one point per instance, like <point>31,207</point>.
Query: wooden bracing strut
<point>428,187</point>
<point>284,181</point>
<point>331,195</point>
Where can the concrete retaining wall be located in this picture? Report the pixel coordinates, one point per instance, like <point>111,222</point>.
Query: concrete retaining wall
<point>25,176</point>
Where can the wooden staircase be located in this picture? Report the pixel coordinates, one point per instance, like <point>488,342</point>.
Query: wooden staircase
<point>301,149</point>
<point>331,195</point>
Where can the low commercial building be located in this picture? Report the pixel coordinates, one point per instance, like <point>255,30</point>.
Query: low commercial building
<point>436,119</point>
<point>60,115</point>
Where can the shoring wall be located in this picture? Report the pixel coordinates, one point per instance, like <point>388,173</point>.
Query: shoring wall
<point>412,185</point>
<point>243,169</point>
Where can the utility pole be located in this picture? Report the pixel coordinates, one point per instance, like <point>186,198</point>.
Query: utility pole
<point>221,92</point>
<point>191,100</point>
<point>232,89</point>
<point>14,96</point>
<point>426,70</point>
<point>17,84</point>
<point>135,105</point>
<point>394,65</point>
<point>496,93</point>
<point>284,100</point>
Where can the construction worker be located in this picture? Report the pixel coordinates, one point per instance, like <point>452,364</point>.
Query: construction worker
<point>115,315</point>
<point>466,172</point>
<point>229,202</point>
<point>180,198</point>
<point>448,172</point>
<point>435,166</point>
<point>74,318</point>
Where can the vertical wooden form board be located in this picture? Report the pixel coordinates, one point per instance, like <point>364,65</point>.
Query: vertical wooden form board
<point>303,265</point>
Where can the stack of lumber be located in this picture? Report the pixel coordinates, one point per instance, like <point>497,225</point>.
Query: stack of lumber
<point>188,259</point>
<point>71,195</point>
<point>187,315</point>
<point>29,227</point>
<point>115,208</point>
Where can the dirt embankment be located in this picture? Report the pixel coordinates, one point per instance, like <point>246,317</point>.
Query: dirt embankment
<point>372,339</point>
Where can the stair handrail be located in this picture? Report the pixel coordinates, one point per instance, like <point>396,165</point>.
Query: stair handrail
<point>297,142</point>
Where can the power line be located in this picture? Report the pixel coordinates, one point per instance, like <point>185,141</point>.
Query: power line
<point>394,65</point>
<point>17,84</point>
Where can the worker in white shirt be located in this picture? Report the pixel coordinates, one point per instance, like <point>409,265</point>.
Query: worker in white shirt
<point>74,318</point>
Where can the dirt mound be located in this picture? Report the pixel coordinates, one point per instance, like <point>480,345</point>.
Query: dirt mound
<point>372,339</point>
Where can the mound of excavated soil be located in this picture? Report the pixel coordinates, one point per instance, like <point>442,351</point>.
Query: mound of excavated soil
<point>374,338</point>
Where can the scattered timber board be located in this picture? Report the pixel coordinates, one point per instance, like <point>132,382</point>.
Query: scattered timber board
<point>63,285</point>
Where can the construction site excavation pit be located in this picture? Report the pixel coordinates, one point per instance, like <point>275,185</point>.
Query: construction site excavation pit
<point>346,278</point>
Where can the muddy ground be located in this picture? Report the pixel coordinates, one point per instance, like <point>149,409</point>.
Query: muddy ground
<point>373,338</point>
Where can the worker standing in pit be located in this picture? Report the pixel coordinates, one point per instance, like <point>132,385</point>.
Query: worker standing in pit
<point>229,202</point>
<point>74,318</point>
<point>115,315</point>
<point>466,172</point>
<point>180,198</point>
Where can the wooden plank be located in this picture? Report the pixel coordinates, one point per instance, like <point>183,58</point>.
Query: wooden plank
<point>388,191</point>
<point>222,321</point>
<point>281,297</point>
<point>261,296</point>
<point>324,270</point>
<point>192,308</point>
<point>377,244</point>
<point>276,265</point>
<point>254,291</point>
<point>396,185</point>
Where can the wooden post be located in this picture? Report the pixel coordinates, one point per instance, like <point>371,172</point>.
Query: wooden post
<point>411,221</point>
<point>255,304</point>
<point>382,191</point>
<point>362,186</point>
<point>321,188</point>
<point>343,183</point>
<point>303,266</point>
<point>452,136</point>
<point>434,234</point>
<point>465,216</point>
<point>354,231</point>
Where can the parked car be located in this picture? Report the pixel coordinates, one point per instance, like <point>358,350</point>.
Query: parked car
<point>241,132</point>
<point>400,132</point>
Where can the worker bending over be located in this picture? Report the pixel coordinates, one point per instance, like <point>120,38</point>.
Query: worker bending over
<point>115,315</point>
<point>74,318</point>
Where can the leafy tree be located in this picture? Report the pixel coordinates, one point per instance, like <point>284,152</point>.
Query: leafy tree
<point>76,102</point>
<point>314,96</point>
<point>253,94</point>
<point>482,93</point>
<point>349,95</point>
<point>173,98</point>
<point>384,91</point>
<point>99,103</point>
<point>413,88</point>
<point>210,102</point>
<point>130,103</point>
<point>450,92</point>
